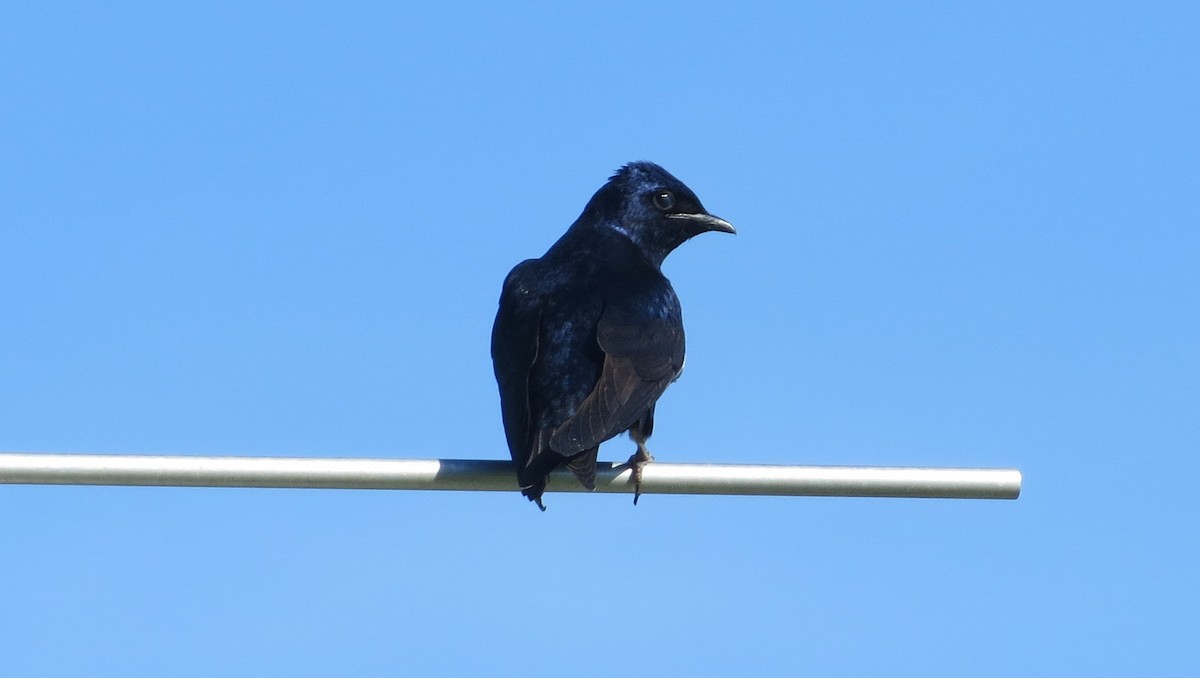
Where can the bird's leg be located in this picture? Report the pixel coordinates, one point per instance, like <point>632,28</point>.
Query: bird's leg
<point>636,462</point>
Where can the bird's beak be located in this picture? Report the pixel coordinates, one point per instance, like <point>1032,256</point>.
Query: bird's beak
<point>706,222</point>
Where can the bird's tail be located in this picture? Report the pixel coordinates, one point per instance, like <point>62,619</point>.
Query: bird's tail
<point>583,465</point>
<point>533,477</point>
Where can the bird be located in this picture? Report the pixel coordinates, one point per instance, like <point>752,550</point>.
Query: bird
<point>589,336</point>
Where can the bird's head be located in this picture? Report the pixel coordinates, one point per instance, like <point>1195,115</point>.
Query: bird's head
<point>653,208</point>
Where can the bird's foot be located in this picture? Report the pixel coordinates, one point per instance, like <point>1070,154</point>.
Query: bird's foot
<point>534,493</point>
<point>637,462</point>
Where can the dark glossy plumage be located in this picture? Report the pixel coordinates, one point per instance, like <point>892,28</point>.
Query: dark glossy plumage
<point>590,335</point>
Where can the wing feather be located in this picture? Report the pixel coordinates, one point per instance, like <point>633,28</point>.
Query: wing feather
<point>641,359</point>
<point>514,351</point>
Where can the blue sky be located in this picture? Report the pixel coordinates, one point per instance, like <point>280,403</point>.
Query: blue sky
<point>968,236</point>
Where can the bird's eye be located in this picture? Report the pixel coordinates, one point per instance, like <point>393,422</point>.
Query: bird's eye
<point>664,200</point>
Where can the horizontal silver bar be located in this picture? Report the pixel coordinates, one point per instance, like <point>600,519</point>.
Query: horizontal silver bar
<point>498,476</point>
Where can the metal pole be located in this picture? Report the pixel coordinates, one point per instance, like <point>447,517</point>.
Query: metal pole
<point>498,476</point>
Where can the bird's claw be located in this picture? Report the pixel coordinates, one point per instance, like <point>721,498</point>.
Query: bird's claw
<point>636,463</point>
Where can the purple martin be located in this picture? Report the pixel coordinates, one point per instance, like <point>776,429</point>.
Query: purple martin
<point>591,334</point>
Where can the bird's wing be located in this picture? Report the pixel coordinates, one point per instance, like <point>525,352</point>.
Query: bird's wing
<point>642,357</point>
<point>514,350</point>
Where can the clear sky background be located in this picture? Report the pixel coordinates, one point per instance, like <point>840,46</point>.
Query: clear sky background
<point>968,236</point>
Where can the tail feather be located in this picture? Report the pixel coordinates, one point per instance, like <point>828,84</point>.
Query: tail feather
<point>583,465</point>
<point>532,476</point>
